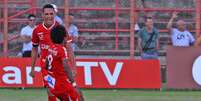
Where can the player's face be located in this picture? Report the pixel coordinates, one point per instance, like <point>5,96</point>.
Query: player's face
<point>48,16</point>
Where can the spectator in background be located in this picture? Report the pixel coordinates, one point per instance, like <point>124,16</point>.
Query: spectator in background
<point>73,32</point>
<point>137,28</point>
<point>57,18</point>
<point>148,40</point>
<point>26,34</point>
<point>180,36</point>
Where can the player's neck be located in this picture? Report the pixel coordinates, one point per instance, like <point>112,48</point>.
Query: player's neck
<point>48,26</point>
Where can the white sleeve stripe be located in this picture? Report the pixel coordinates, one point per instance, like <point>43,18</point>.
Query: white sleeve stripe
<point>34,43</point>
<point>69,41</point>
<point>65,51</point>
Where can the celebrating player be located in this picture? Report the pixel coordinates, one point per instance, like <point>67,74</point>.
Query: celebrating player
<point>60,79</point>
<point>41,37</point>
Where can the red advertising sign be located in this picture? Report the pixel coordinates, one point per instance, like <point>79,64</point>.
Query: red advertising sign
<point>91,73</point>
<point>14,72</point>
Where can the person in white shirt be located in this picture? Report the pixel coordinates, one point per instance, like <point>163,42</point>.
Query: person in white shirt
<point>73,32</point>
<point>180,36</point>
<point>26,33</point>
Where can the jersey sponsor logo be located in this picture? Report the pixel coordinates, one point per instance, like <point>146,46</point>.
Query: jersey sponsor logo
<point>51,81</point>
<point>41,36</point>
<point>44,46</point>
<point>53,51</point>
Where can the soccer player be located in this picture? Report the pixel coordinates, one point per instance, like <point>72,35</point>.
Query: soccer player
<point>41,37</point>
<point>60,78</point>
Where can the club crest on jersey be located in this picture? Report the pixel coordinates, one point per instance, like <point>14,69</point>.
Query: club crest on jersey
<point>41,35</point>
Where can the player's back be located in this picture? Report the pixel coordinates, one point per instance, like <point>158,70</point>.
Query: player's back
<point>56,54</point>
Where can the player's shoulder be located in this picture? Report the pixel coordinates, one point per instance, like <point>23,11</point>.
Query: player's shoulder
<point>60,47</point>
<point>56,47</point>
<point>39,26</point>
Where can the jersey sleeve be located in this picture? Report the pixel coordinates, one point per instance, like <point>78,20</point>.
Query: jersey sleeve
<point>63,53</point>
<point>68,39</point>
<point>35,38</point>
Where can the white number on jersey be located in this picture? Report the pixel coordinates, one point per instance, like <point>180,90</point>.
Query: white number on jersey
<point>50,59</point>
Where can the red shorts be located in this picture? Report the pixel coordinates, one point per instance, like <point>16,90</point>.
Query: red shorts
<point>63,90</point>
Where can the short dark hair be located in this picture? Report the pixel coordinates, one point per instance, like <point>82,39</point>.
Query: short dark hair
<point>48,6</point>
<point>31,16</point>
<point>147,17</point>
<point>58,34</point>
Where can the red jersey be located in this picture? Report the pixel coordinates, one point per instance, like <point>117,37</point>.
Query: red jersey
<point>57,79</point>
<point>41,37</point>
<point>56,54</point>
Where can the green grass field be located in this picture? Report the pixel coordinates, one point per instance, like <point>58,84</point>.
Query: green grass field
<point>104,95</point>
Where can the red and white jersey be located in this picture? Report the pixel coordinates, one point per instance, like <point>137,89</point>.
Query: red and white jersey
<point>41,37</point>
<point>56,54</point>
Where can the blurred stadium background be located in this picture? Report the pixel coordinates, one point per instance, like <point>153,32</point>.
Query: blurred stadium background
<point>106,29</point>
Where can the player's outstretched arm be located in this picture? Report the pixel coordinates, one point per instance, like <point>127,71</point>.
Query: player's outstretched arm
<point>68,70</point>
<point>71,78</point>
<point>34,55</point>
<point>71,57</point>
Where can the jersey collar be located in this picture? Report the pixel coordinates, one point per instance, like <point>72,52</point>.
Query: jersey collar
<point>50,26</point>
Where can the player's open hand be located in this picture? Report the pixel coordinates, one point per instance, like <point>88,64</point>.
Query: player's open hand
<point>32,74</point>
